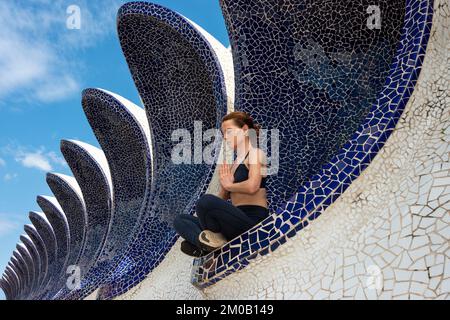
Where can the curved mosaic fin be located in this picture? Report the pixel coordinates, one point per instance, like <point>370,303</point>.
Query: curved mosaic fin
<point>15,280</point>
<point>42,250</point>
<point>28,260</point>
<point>70,198</point>
<point>45,231</point>
<point>90,168</point>
<point>24,273</point>
<point>385,65</point>
<point>123,133</point>
<point>12,280</point>
<point>36,259</point>
<point>180,80</point>
<point>14,265</point>
<point>10,284</point>
<point>18,274</point>
<point>9,287</point>
<point>58,220</point>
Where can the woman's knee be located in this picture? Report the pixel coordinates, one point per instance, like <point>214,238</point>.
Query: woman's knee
<point>205,203</point>
<point>179,223</point>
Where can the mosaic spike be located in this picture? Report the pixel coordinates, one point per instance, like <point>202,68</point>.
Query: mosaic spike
<point>168,50</point>
<point>90,168</point>
<point>69,196</point>
<point>57,218</point>
<point>32,232</point>
<point>28,259</point>
<point>47,234</point>
<point>123,132</point>
<point>36,261</point>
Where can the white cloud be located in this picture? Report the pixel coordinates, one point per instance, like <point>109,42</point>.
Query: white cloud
<point>2,163</point>
<point>35,158</point>
<point>39,55</point>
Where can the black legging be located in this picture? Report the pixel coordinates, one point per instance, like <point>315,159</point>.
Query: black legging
<point>218,215</point>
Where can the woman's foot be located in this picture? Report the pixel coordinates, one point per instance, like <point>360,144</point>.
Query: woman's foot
<point>210,241</point>
<point>191,250</point>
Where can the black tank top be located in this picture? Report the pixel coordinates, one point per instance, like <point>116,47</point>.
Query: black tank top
<point>241,173</point>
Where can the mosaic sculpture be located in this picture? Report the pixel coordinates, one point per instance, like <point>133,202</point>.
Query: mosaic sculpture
<point>48,236</point>
<point>33,234</point>
<point>359,95</point>
<point>36,261</point>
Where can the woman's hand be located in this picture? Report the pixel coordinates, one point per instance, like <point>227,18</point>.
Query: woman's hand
<point>226,177</point>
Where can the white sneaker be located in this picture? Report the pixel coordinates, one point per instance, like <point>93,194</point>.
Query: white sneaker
<point>211,240</point>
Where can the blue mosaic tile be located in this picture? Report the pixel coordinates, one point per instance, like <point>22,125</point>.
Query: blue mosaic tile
<point>90,169</point>
<point>15,280</point>
<point>162,50</point>
<point>123,133</point>
<point>29,262</point>
<point>32,232</point>
<point>23,272</point>
<point>58,221</point>
<point>36,262</point>
<point>70,198</point>
<point>376,112</point>
<point>11,291</point>
<point>47,234</point>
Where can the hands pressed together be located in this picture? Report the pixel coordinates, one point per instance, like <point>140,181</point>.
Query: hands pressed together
<point>226,177</point>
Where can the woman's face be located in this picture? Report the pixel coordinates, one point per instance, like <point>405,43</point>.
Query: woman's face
<point>232,134</point>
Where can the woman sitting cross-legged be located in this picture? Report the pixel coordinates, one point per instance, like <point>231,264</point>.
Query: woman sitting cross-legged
<point>244,183</point>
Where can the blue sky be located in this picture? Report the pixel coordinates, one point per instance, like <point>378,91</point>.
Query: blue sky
<point>45,66</point>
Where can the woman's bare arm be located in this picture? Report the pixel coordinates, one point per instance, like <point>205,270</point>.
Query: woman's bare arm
<point>224,194</point>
